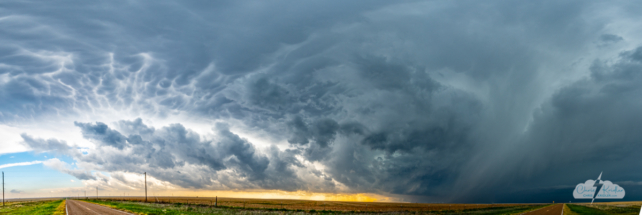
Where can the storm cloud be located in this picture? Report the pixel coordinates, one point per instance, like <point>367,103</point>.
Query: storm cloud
<point>431,101</point>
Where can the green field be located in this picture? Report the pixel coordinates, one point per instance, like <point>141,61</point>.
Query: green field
<point>612,210</point>
<point>170,209</point>
<point>180,208</point>
<point>31,208</point>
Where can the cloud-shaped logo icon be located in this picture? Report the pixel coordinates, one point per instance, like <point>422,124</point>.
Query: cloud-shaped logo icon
<point>585,190</point>
<point>604,188</point>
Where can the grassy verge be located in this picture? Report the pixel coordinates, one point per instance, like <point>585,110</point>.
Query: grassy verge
<point>31,208</point>
<point>152,208</point>
<point>178,208</point>
<point>579,209</point>
<point>568,211</point>
<point>61,209</point>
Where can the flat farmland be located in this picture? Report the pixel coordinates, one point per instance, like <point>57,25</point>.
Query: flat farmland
<point>615,208</point>
<point>309,205</point>
<point>614,204</point>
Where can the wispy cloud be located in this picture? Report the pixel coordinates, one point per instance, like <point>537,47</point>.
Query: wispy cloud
<point>20,164</point>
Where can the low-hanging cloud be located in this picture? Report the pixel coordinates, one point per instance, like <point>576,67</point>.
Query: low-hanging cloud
<point>180,156</point>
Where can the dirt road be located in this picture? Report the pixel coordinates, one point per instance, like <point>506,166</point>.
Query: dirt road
<point>555,209</point>
<point>83,208</point>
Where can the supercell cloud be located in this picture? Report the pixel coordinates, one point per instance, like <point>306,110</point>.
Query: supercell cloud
<point>429,101</point>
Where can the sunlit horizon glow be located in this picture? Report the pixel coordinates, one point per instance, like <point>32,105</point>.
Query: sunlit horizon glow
<point>258,194</point>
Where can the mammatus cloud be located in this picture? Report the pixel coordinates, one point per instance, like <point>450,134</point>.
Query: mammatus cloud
<point>434,101</point>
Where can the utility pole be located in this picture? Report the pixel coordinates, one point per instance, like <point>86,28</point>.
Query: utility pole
<point>85,194</point>
<point>145,186</point>
<point>2,188</point>
<point>96,192</point>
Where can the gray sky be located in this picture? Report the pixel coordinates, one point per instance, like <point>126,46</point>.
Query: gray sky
<point>429,101</point>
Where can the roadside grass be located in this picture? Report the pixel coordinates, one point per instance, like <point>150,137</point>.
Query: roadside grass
<point>310,205</point>
<point>179,208</point>
<point>579,209</point>
<point>568,210</point>
<point>61,209</point>
<point>185,209</point>
<point>31,208</point>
